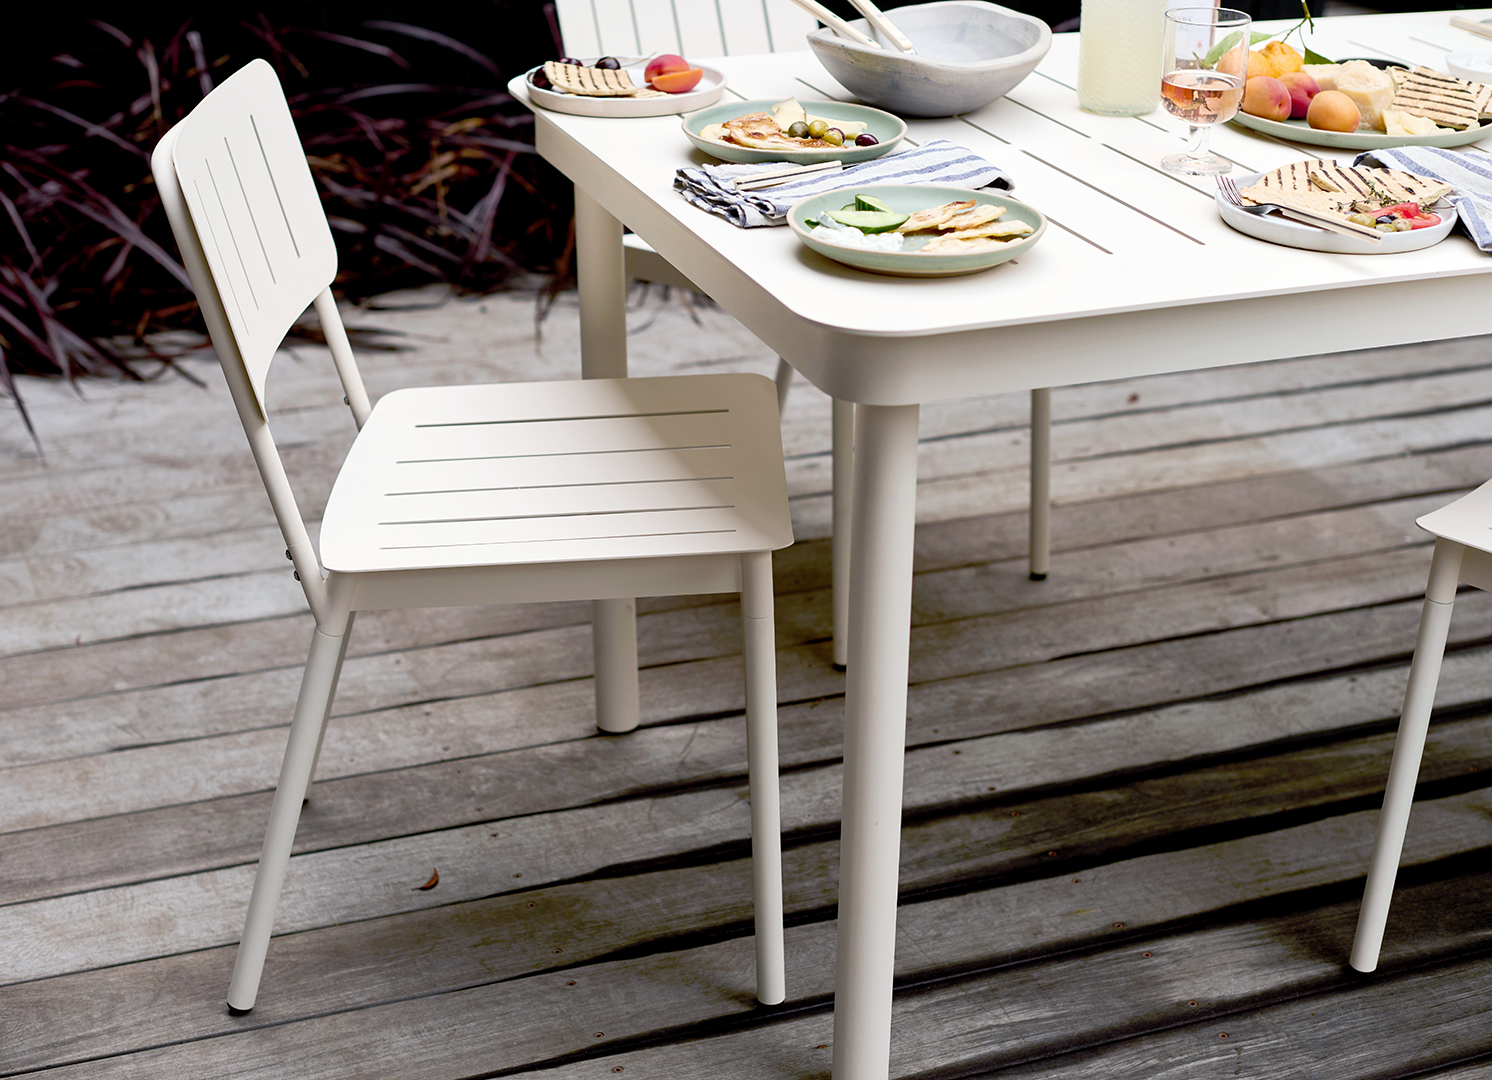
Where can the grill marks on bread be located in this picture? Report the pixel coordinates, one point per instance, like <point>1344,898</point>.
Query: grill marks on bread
<point>1445,99</point>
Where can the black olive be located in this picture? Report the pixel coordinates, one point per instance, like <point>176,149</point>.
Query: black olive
<point>610,63</point>
<point>539,79</point>
<point>866,139</point>
<point>570,60</point>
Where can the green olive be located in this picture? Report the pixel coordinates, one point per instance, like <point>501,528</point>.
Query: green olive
<point>798,130</point>
<point>1402,226</point>
<point>1384,228</point>
<point>817,129</point>
<point>834,137</point>
<point>1363,219</point>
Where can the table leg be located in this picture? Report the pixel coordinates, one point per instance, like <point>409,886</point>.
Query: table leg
<point>842,472</point>
<point>885,498</point>
<point>601,275</point>
<point>1041,483</point>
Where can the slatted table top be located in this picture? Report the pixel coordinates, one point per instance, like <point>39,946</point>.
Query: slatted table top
<point>1137,274</point>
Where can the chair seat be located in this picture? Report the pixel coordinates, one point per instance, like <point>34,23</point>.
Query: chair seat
<point>1467,521</point>
<point>523,473</point>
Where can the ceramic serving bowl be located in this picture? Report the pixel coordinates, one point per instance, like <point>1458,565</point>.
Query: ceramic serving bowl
<point>968,54</point>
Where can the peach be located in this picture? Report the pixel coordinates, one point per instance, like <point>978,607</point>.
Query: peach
<point>677,82</point>
<point>1332,110</point>
<point>1302,89</point>
<point>1266,97</point>
<point>664,63</point>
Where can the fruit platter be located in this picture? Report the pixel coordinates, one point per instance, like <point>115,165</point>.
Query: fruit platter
<point>1360,104</point>
<point>803,133</point>
<point>660,85</point>
<point>917,230</point>
<point>1408,212</point>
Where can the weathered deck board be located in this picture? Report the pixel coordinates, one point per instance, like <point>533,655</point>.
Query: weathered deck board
<point>1184,731</point>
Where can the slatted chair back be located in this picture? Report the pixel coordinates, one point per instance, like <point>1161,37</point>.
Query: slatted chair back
<point>689,28</point>
<point>236,188</point>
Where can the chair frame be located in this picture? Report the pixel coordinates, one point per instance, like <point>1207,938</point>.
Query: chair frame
<point>334,597</point>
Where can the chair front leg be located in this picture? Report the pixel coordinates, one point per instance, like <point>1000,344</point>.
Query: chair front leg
<point>325,716</point>
<point>311,708</point>
<point>761,763</point>
<point>1414,726</point>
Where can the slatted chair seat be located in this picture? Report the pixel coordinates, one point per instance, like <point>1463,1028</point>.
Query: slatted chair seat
<point>600,489</point>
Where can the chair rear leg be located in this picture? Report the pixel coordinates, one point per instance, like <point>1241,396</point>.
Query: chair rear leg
<point>331,696</point>
<point>784,380</point>
<point>1414,724</point>
<point>761,759</point>
<point>305,730</point>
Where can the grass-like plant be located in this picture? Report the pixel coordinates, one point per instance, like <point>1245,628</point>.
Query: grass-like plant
<point>422,181</point>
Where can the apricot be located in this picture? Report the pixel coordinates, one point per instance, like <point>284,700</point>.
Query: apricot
<point>1266,97</point>
<point>1332,110</point>
<point>1302,88</point>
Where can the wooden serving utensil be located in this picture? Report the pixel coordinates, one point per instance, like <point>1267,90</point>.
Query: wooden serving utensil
<point>835,23</point>
<point>877,18</point>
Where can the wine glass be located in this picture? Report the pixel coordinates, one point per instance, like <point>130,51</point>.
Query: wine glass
<point>1205,63</point>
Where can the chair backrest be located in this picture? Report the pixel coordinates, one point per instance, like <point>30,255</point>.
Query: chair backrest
<point>237,190</point>
<point>690,28</point>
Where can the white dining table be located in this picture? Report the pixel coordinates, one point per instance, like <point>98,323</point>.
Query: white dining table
<point>1136,275</point>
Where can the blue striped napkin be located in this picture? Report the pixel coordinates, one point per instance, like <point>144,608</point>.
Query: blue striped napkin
<point>937,162</point>
<point>1470,172</point>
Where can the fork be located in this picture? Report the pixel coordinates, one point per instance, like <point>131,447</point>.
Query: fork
<point>1230,192</point>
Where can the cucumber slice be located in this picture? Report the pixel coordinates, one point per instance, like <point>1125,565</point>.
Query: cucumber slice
<point>870,202</point>
<point>869,221</point>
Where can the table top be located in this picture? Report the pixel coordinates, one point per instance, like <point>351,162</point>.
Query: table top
<point>1137,273</point>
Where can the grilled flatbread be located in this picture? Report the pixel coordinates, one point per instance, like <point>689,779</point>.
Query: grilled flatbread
<point>1374,188</point>
<point>1445,99</point>
<point>1004,230</point>
<point>948,244</point>
<point>979,215</point>
<point>760,131</point>
<point>934,217</point>
<point>592,82</point>
<point>1292,186</point>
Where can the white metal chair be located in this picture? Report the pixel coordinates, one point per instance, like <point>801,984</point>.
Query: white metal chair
<point>463,495</point>
<point>1463,553</point>
<point>699,28</point>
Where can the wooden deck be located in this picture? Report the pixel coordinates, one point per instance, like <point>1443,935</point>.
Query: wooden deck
<point>1139,795</point>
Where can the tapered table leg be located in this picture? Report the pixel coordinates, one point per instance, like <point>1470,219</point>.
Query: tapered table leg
<point>601,274</point>
<point>884,506</point>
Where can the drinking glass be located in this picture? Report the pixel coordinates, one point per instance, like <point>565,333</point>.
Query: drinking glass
<point>1204,64</point>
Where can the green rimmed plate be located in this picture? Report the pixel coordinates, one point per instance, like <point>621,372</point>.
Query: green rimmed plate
<point>905,199</point>
<point>887,128</point>
<point>1298,131</point>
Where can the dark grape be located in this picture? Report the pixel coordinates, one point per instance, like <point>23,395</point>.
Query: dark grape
<point>539,79</point>
<point>866,139</point>
<point>610,63</point>
<point>570,60</point>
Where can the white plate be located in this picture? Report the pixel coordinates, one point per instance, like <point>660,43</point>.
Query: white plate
<point>1298,131</point>
<point>706,92</point>
<point>1474,65</point>
<point>889,129</point>
<point>1279,230</point>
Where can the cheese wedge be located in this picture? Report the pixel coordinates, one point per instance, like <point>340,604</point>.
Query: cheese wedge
<point>1398,122</point>
<point>1370,89</point>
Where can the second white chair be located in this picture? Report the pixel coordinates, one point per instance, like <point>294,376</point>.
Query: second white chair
<point>1463,553</point>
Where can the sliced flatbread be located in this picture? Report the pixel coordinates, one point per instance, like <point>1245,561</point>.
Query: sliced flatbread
<point>1445,99</point>
<point>934,216</point>
<point>589,81</point>
<point>1291,185</point>
<point>1374,188</point>
<point>1002,230</point>
<point>948,244</point>
<point>979,215</point>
